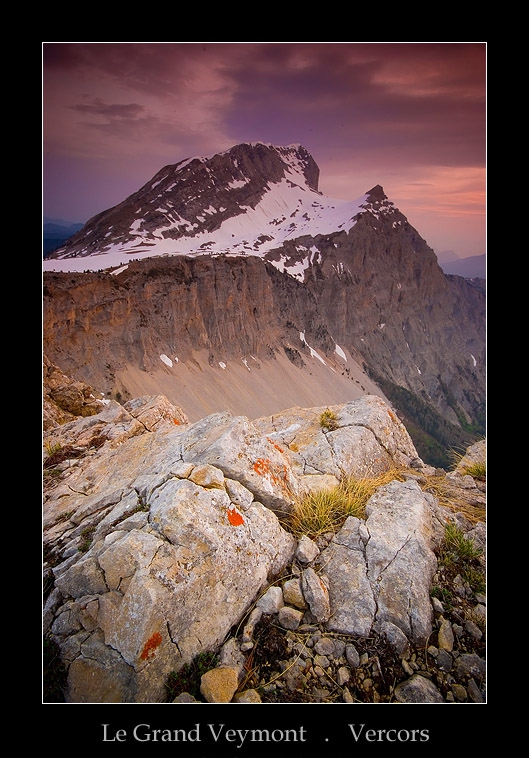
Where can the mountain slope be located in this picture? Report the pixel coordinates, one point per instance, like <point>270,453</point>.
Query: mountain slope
<point>246,265</point>
<point>246,201</point>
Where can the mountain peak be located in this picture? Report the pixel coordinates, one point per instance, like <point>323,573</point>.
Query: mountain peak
<point>272,161</point>
<point>248,200</point>
<point>376,193</point>
<point>378,204</point>
<point>251,161</point>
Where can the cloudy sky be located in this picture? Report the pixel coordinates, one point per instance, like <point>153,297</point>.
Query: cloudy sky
<point>408,116</point>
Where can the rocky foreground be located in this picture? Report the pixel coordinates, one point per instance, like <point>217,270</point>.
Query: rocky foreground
<point>281,658</point>
<point>171,573</point>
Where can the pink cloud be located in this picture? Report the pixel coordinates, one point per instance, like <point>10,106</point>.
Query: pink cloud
<point>396,114</point>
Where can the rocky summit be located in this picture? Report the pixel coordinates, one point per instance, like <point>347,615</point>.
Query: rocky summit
<point>169,549</point>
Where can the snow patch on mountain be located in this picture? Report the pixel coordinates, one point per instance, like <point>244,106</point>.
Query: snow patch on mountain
<point>284,213</point>
<point>285,208</point>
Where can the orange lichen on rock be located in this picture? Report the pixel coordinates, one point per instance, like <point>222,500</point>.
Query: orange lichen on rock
<point>262,466</point>
<point>234,517</point>
<point>150,646</point>
<point>274,444</point>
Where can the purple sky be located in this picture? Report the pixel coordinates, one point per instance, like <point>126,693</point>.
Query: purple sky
<point>408,116</point>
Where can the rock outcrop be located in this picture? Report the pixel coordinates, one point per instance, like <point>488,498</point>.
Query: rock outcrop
<point>160,536</point>
<point>65,399</point>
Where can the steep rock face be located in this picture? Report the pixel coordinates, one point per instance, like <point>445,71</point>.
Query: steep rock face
<point>381,288</point>
<point>412,326</point>
<point>230,306</point>
<point>203,315</point>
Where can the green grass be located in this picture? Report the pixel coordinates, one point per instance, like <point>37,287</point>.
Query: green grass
<point>443,594</point>
<point>87,536</point>
<point>433,436</point>
<point>327,509</point>
<point>477,470</point>
<point>459,555</point>
<point>457,545</point>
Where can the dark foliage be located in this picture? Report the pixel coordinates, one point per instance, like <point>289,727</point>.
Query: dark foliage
<point>187,679</point>
<point>54,673</point>
<point>434,437</point>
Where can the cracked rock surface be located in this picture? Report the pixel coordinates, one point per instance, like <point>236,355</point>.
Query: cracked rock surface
<point>160,537</point>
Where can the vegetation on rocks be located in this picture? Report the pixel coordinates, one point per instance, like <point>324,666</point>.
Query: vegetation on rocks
<point>329,420</point>
<point>187,679</point>
<point>459,556</point>
<point>325,510</point>
<point>310,665</point>
<point>434,436</point>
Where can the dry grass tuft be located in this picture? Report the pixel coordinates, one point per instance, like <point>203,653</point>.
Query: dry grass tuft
<point>477,468</point>
<point>454,498</point>
<point>326,510</point>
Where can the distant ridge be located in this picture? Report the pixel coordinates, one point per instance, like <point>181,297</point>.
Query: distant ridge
<point>55,232</point>
<point>473,267</point>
